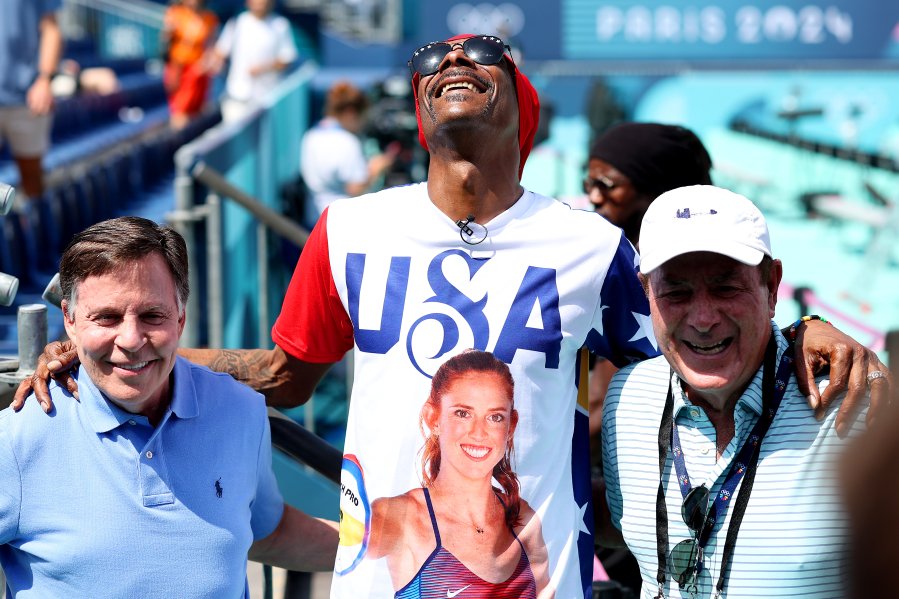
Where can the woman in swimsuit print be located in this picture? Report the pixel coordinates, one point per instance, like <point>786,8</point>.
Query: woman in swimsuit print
<point>460,531</point>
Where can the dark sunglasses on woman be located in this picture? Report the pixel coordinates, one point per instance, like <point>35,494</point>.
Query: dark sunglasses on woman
<point>485,50</point>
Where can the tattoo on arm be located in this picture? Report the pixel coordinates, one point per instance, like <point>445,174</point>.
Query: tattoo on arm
<point>284,381</point>
<point>252,367</point>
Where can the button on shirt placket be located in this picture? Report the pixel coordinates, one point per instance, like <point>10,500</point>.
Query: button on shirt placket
<point>697,435</point>
<point>152,470</point>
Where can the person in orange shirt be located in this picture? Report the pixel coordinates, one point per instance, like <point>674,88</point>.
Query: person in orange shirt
<point>187,34</point>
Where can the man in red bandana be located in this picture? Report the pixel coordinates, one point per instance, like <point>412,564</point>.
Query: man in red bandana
<point>528,108</point>
<point>407,278</point>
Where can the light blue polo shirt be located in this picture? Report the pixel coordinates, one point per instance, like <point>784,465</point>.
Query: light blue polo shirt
<point>793,537</point>
<point>19,46</point>
<point>94,502</point>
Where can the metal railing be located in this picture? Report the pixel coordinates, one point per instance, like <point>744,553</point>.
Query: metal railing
<point>31,319</point>
<point>246,160</point>
<point>242,277</point>
<point>366,21</point>
<point>303,446</point>
<point>115,28</point>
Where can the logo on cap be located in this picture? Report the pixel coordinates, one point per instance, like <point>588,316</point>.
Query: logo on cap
<point>685,213</point>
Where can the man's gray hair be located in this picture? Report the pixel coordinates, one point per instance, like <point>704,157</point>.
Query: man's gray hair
<point>107,245</point>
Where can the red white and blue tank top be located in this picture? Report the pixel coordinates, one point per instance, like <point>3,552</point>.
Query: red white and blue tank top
<point>442,575</point>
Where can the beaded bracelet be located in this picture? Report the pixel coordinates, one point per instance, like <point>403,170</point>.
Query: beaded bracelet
<point>791,332</point>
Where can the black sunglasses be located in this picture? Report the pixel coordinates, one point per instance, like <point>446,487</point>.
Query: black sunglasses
<point>600,183</point>
<point>686,556</point>
<point>483,49</point>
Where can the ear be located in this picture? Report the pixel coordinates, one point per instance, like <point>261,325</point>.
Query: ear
<point>181,322</point>
<point>513,421</point>
<point>773,284</point>
<point>68,319</point>
<point>429,415</point>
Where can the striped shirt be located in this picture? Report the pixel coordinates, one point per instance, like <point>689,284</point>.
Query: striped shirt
<point>792,539</point>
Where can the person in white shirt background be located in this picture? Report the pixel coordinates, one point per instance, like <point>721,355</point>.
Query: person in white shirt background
<point>332,158</point>
<point>259,45</point>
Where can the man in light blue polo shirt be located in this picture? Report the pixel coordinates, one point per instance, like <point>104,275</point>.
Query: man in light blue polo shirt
<point>719,477</point>
<point>157,481</point>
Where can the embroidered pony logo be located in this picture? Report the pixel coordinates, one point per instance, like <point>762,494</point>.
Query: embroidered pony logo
<point>218,488</point>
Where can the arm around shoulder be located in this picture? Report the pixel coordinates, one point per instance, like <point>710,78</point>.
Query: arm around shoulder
<point>854,369</point>
<point>284,380</point>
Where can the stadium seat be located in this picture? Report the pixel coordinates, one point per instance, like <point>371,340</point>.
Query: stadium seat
<point>8,259</point>
<point>50,214</point>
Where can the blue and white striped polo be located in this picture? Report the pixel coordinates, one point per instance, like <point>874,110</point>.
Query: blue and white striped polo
<point>792,539</point>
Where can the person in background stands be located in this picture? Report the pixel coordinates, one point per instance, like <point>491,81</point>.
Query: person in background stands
<point>332,160</point>
<point>187,34</point>
<point>259,45</point>
<point>30,49</point>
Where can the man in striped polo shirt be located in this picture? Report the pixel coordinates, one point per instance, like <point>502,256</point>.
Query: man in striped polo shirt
<point>719,477</point>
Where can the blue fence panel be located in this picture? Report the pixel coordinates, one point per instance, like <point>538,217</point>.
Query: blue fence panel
<point>258,155</point>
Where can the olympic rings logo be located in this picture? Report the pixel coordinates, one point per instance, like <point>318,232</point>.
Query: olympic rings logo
<point>504,20</point>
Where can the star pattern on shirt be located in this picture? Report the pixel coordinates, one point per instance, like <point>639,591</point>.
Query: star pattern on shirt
<point>644,330</point>
<point>599,326</point>
<point>581,525</point>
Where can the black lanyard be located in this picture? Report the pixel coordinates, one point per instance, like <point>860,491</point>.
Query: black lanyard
<point>773,388</point>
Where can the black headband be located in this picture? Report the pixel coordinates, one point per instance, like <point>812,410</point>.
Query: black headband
<point>656,158</point>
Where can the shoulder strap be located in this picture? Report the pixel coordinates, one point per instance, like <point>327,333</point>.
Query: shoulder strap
<point>433,517</point>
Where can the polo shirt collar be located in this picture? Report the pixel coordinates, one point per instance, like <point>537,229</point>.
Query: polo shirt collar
<point>751,400</point>
<point>105,416</point>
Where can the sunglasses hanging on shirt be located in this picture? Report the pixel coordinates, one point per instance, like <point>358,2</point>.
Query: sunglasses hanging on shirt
<point>685,557</point>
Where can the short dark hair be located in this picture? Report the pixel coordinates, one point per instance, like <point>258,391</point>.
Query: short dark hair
<point>345,97</point>
<point>105,246</point>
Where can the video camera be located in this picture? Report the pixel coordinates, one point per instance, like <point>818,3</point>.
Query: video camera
<point>392,123</point>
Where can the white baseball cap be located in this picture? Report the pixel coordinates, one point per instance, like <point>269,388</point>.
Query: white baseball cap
<point>702,218</point>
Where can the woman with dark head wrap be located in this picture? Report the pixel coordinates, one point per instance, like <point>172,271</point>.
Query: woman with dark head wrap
<point>631,164</point>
